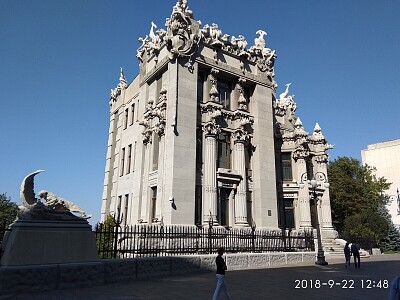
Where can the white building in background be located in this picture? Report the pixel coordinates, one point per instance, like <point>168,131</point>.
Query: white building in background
<point>199,136</point>
<point>385,157</point>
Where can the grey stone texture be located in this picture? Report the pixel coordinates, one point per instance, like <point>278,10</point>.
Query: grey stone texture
<point>31,279</point>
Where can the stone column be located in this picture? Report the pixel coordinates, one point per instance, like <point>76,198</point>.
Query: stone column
<point>105,207</point>
<point>240,167</point>
<point>325,206</point>
<point>304,195</point>
<point>210,173</point>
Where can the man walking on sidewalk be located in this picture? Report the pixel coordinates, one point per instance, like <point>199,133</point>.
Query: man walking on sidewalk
<point>221,267</point>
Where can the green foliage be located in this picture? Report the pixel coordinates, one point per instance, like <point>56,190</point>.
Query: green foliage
<point>8,210</point>
<point>105,237</point>
<point>368,228</point>
<point>353,189</point>
<point>391,243</point>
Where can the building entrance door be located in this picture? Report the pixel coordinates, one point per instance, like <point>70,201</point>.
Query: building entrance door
<point>223,206</point>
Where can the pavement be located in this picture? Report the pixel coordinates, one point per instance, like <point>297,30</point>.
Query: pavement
<point>300,281</point>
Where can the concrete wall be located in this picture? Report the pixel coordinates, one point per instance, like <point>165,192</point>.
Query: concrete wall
<point>26,279</point>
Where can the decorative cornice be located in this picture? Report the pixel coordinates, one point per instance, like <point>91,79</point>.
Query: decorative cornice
<point>183,34</point>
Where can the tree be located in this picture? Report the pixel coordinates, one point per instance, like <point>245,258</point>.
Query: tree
<point>367,228</point>
<point>353,189</point>
<point>105,237</point>
<point>8,210</point>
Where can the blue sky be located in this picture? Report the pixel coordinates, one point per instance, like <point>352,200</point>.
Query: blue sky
<point>59,60</point>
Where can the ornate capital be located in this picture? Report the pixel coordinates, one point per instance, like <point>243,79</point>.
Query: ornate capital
<point>322,158</point>
<point>300,153</point>
<point>241,136</point>
<point>211,128</point>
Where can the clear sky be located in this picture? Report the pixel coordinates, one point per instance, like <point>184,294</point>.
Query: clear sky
<point>59,60</point>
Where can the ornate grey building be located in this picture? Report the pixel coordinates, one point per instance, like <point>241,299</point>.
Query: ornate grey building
<point>199,135</point>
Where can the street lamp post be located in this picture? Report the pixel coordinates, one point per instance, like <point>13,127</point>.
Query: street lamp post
<point>314,183</point>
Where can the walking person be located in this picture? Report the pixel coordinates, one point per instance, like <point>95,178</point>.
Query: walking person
<point>355,251</point>
<point>220,275</point>
<point>347,254</point>
<point>394,291</point>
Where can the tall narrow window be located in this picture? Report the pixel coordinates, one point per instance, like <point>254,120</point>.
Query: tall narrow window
<point>153,203</point>
<point>128,166</point>
<point>125,215</point>
<point>286,166</point>
<point>289,213</point>
<point>310,168</point>
<point>224,151</point>
<point>156,146</point>
<point>132,113</point>
<point>134,156</point>
<point>126,118</point>
<point>224,93</point>
<point>199,149</point>
<point>122,162</point>
<point>159,87</point>
<point>118,212</point>
<point>137,111</point>
<point>200,86</point>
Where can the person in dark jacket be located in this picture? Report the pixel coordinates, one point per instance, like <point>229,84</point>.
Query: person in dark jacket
<point>220,274</point>
<point>347,254</point>
<point>395,289</point>
<point>355,251</point>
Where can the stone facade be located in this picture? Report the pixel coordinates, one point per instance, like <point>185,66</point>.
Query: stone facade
<point>199,136</point>
<point>385,157</point>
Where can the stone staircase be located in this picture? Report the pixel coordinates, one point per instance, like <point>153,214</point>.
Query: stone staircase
<point>333,248</point>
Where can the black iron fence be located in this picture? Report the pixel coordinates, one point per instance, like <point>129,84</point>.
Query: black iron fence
<point>156,240</point>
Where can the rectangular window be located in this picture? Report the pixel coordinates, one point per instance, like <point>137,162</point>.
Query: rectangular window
<point>159,87</point>
<point>137,111</point>
<point>153,203</point>
<point>200,86</point>
<point>224,150</point>
<point>224,93</point>
<point>121,173</point>
<point>289,213</point>
<point>134,156</point>
<point>310,169</point>
<point>132,113</point>
<point>126,118</point>
<point>286,166</point>
<point>199,149</point>
<point>128,167</point>
<point>125,215</point>
<point>118,212</point>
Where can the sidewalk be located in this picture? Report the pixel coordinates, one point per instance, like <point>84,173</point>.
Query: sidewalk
<point>313,282</point>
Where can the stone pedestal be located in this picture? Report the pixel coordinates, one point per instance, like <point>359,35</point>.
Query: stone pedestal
<point>33,242</point>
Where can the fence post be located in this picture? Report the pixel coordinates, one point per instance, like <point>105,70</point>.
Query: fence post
<point>210,222</point>
<point>253,236</point>
<point>118,223</point>
<point>284,239</point>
